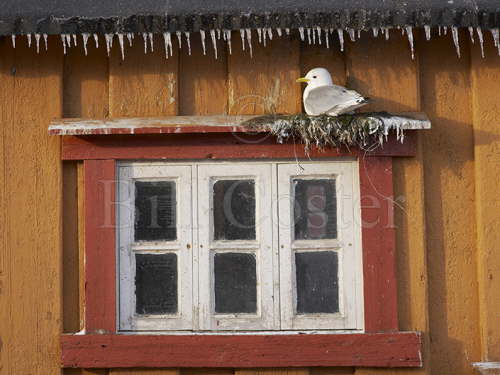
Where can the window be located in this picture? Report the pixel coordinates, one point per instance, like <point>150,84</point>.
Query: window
<point>250,246</point>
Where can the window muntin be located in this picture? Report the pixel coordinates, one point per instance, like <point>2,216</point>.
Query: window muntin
<point>243,218</point>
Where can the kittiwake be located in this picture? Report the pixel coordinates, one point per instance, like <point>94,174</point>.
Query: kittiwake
<point>321,96</point>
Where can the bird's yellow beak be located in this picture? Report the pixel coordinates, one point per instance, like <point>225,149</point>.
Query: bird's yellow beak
<point>302,79</point>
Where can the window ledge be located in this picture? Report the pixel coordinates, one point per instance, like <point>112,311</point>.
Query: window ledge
<point>201,124</point>
<point>397,349</point>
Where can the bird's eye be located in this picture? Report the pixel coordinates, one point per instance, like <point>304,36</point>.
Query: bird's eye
<point>315,77</point>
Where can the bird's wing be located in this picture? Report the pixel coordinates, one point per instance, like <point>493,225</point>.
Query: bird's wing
<point>324,98</point>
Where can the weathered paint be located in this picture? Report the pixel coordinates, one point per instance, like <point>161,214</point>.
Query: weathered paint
<point>446,277</point>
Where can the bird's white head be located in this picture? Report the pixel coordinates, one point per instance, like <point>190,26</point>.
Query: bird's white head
<point>317,77</point>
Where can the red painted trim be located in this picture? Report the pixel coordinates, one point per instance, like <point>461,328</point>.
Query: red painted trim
<point>210,146</point>
<point>100,248</point>
<point>379,242</point>
<point>370,350</point>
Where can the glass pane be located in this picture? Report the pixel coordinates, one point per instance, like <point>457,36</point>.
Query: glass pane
<point>234,210</point>
<point>156,283</point>
<point>317,282</point>
<point>235,283</point>
<point>155,211</point>
<point>315,209</point>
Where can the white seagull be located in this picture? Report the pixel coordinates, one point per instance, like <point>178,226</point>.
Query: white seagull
<point>321,96</point>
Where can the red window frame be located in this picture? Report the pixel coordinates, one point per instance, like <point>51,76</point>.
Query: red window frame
<point>382,345</point>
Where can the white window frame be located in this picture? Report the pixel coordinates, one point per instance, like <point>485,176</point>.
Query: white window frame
<point>128,319</point>
<point>348,239</point>
<point>261,247</point>
<point>274,243</point>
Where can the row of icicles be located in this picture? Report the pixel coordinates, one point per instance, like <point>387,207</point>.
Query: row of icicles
<point>313,36</point>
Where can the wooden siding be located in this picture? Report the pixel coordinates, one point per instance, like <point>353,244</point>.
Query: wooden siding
<point>446,218</point>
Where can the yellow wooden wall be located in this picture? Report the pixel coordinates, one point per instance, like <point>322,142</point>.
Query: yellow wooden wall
<point>448,223</point>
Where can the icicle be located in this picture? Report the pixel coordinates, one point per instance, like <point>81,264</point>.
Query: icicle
<point>375,31</point>
<point>409,33</point>
<point>13,37</point>
<point>151,41</point>
<point>249,38</point>
<point>228,40</point>
<point>85,37</point>
<point>445,29</point>
<point>301,32</point>
<point>386,32</point>
<point>130,37</point>
<point>74,40</point>
<point>179,38</point>
<point>439,30</point>
<point>471,33</point>
<point>494,34</point>
<point>63,38</point>
<point>264,37</point>
<point>214,41</point>
<point>309,36</point>
<point>145,39</point>
<point>122,48</point>
<point>340,33</point>
<point>96,40</point>
<point>278,30</point>
<point>327,39</point>
<point>203,46</point>
<point>167,39</point>
<point>37,40</point>
<point>287,31</point>
<point>29,40</point>
<point>218,34</point>
<point>188,41</point>
<point>318,29</point>
<point>270,33</point>
<point>481,42</point>
<point>242,35</point>
<point>359,34</point>
<point>402,31</point>
<point>46,41</point>
<point>427,29</point>
<point>68,39</point>
<point>496,38</point>
<point>454,32</point>
<point>259,33</point>
<point>351,34</point>
<point>109,42</point>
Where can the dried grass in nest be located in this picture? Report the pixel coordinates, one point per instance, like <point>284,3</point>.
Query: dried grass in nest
<point>366,131</point>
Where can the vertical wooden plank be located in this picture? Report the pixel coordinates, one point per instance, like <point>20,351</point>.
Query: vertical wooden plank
<point>203,81</point>
<point>6,117</point>
<point>486,115</point>
<point>449,203</point>
<point>86,81</point>
<point>70,267</point>
<point>100,246</point>
<point>32,206</point>
<point>143,84</point>
<point>384,71</point>
<point>266,82</point>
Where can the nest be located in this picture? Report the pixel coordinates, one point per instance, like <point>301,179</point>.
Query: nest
<point>366,131</point>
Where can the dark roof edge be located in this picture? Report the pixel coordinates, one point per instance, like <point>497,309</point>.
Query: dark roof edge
<point>358,19</point>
